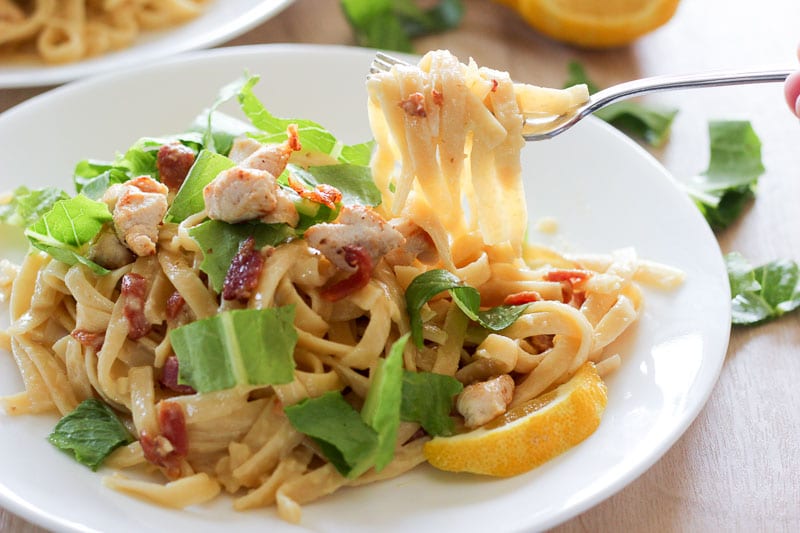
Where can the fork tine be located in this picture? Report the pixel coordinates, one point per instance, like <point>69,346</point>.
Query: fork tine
<point>383,62</point>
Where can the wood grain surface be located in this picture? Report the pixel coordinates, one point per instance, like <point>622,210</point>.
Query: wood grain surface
<point>737,468</point>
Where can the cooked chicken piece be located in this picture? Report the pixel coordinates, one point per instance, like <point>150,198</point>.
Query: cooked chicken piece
<point>107,251</point>
<point>138,207</point>
<point>272,158</point>
<point>240,194</point>
<point>355,226</point>
<point>418,244</point>
<point>242,148</point>
<point>484,401</point>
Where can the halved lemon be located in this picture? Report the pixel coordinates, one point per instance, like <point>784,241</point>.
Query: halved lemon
<point>595,23</point>
<point>528,435</point>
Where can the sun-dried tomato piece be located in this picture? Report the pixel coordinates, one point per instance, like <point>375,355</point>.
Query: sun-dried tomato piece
<point>134,290</point>
<point>357,257</point>
<point>244,272</point>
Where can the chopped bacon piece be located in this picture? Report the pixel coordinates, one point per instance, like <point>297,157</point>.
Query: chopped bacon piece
<point>178,313</point>
<point>494,86</point>
<point>438,98</point>
<point>572,275</point>
<point>171,445</point>
<point>414,105</point>
<point>356,257</point>
<point>90,339</point>
<point>134,290</point>
<point>169,377</point>
<point>173,162</point>
<point>243,274</point>
<point>568,279</point>
<point>323,193</point>
<point>521,298</point>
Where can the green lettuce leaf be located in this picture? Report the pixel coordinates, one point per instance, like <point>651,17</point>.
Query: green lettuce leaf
<point>27,205</point>
<point>344,438</point>
<point>189,199</point>
<point>220,241</point>
<point>222,130</point>
<point>90,432</point>
<point>313,137</point>
<point>648,122</point>
<point>762,293</point>
<point>240,347</point>
<point>65,230</point>
<point>729,183</point>
<point>391,24</point>
<point>355,443</point>
<point>468,299</point>
<point>92,177</point>
<point>353,181</point>
<point>381,410</point>
<point>428,400</point>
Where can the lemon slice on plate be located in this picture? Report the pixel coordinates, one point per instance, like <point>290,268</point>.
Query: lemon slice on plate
<point>593,23</point>
<point>529,434</point>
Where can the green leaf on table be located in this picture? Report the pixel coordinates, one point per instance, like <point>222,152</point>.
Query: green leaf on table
<point>27,205</point>
<point>313,137</point>
<point>220,241</point>
<point>65,230</point>
<point>239,347</point>
<point>392,24</point>
<point>468,299</point>
<point>343,437</point>
<point>762,293</point>
<point>189,199</point>
<point>651,123</point>
<point>729,183</point>
<point>428,400</point>
<point>90,433</point>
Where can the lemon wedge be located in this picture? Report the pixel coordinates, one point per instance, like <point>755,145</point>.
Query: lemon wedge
<point>528,435</point>
<point>593,23</point>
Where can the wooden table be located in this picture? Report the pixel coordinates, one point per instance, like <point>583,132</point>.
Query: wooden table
<point>738,465</point>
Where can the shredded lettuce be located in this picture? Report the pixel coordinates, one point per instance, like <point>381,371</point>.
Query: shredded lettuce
<point>391,24</point>
<point>65,230</point>
<point>468,299</point>
<point>27,205</point>
<point>240,347</point>
<point>90,433</point>
<point>762,293</point>
<point>729,183</point>
<point>649,122</point>
<point>189,199</point>
<point>428,400</point>
<point>220,241</point>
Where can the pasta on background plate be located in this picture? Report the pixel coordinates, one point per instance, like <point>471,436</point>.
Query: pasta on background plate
<point>65,31</point>
<point>262,309</point>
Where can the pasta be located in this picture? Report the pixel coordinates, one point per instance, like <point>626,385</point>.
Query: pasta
<point>132,320</point>
<point>64,31</point>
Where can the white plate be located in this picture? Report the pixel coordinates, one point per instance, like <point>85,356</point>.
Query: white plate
<point>606,193</point>
<point>221,21</point>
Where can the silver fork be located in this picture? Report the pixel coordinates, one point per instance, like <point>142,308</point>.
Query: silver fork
<point>547,128</point>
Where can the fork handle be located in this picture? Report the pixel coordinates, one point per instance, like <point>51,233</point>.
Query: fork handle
<point>683,81</point>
